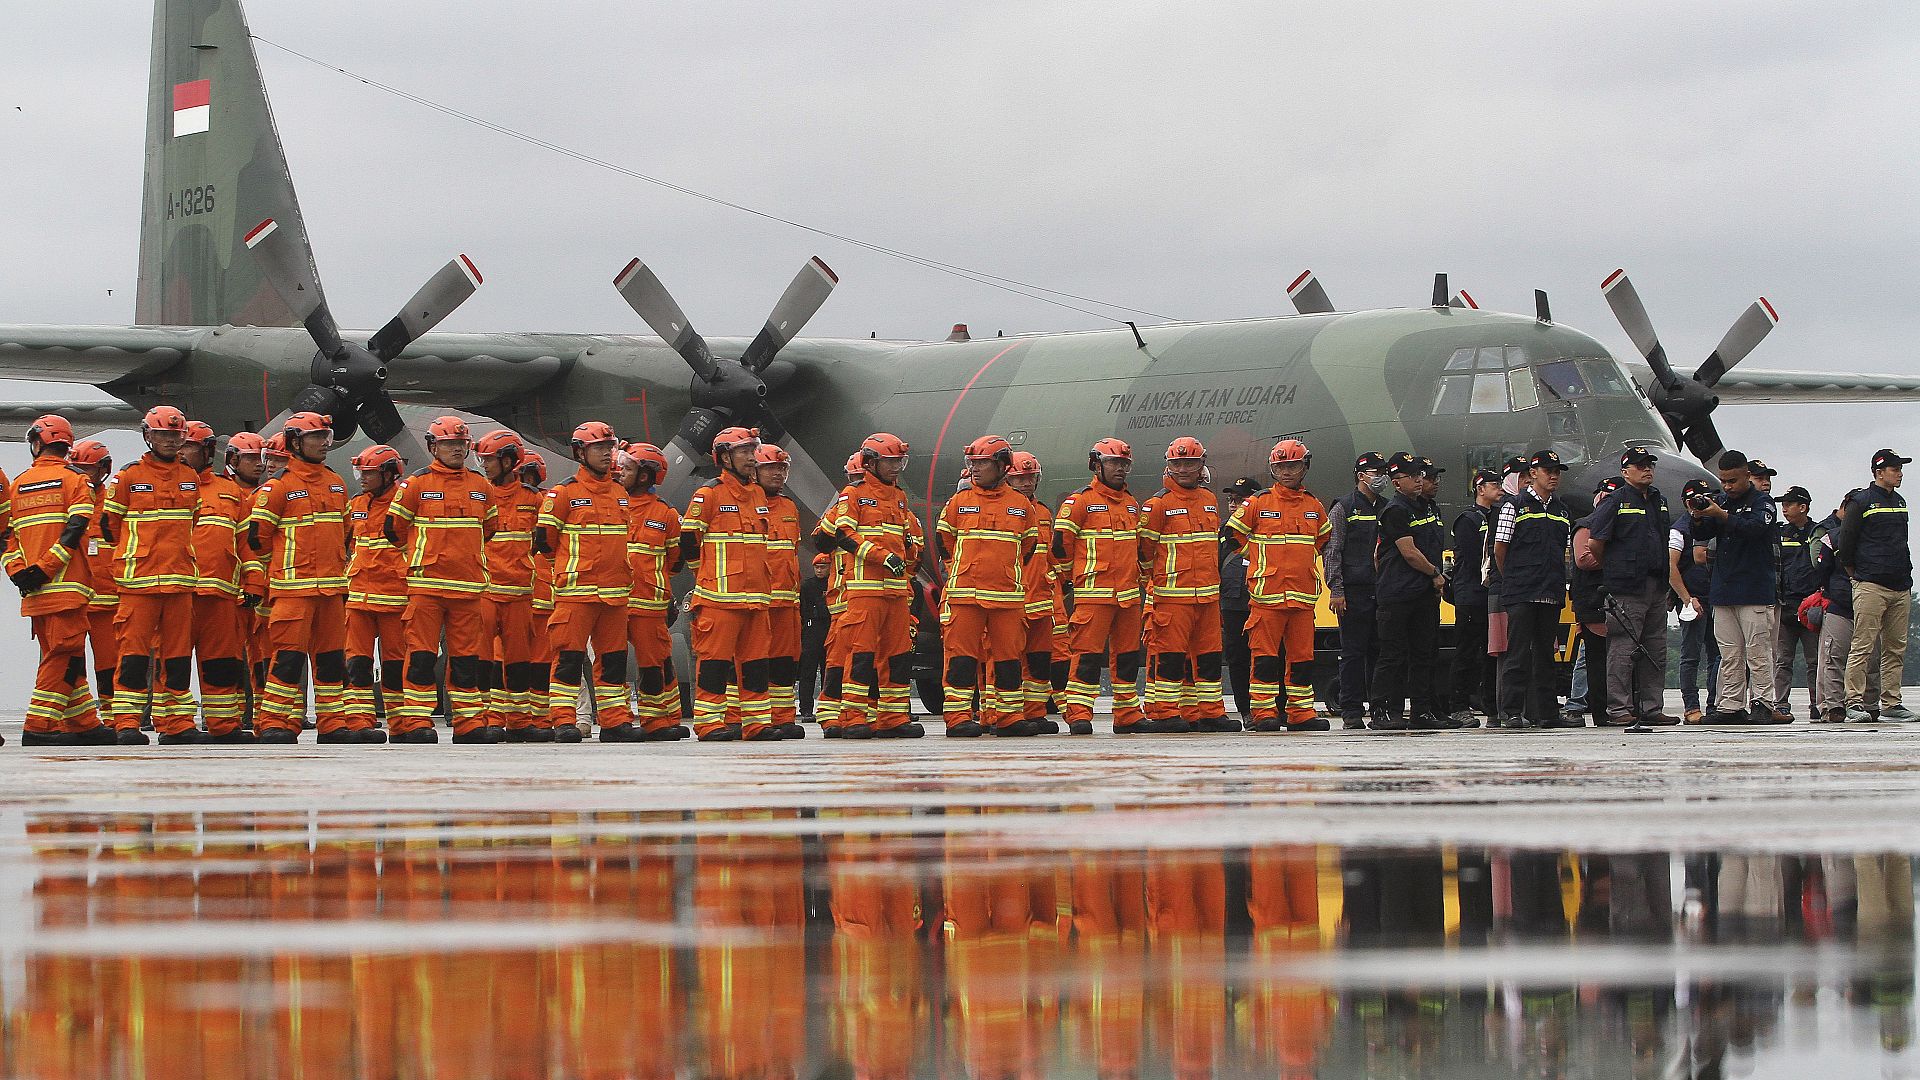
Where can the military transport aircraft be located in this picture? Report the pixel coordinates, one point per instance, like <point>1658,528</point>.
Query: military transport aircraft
<point>230,312</point>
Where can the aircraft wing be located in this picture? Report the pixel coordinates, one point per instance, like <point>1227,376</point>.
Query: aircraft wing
<point>95,355</point>
<point>1744,387</point>
<point>86,416</point>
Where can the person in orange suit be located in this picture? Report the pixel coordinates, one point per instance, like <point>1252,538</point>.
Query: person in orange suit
<point>1041,583</point>
<point>299,525</point>
<point>441,519</point>
<point>220,613</point>
<point>723,538</point>
<point>833,675</point>
<point>653,556</point>
<point>147,515</point>
<point>376,587</point>
<point>583,526</point>
<point>772,466</point>
<point>1096,542</point>
<point>95,460</point>
<point>987,534</point>
<point>877,541</point>
<point>48,509</point>
<point>1283,529</point>
<point>509,671</point>
<point>1180,553</point>
<point>533,474</point>
<point>273,462</point>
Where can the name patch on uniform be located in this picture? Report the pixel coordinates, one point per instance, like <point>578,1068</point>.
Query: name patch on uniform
<point>292,495</point>
<point>138,488</point>
<point>337,488</point>
<point>652,524</point>
<point>578,503</point>
<point>39,485</point>
<point>480,495</point>
<point>1177,512</point>
<point>1313,515</point>
<point>432,495</point>
<point>869,502</point>
<point>1014,511</point>
<point>729,509</point>
<point>1271,514</point>
<point>359,515</point>
<point>189,486</point>
<point>967,509</point>
<point>1095,507</point>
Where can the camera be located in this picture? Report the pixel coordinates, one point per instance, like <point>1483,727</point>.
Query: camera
<point>1700,502</point>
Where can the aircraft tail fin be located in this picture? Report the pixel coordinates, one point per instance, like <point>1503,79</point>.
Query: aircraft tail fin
<point>214,170</point>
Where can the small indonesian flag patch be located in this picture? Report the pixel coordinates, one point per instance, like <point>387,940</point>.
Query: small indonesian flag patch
<point>192,107</point>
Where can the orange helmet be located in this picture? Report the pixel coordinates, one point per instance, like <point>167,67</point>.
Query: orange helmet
<point>881,444</point>
<point>536,464</point>
<point>51,429</point>
<point>591,432</point>
<point>1290,450</point>
<point>732,438</point>
<point>494,443</point>
<point>770,454</point>
<point>1186,448</point>
<point>1024,464</point>
<point>377,457</point>
<point>651,456</point>
<point>448,427</point>
<point>989,446</point>
<point>163,418</point>
<point>245,442</point>
<point>1108,448</point>
<point>275,447</point>
<point>199,432</point>
<point>307,423</point>
<point>90,452</point>
<point>856,464</point>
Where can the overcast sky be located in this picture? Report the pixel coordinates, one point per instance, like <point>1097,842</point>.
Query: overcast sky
<point>1187,159</point>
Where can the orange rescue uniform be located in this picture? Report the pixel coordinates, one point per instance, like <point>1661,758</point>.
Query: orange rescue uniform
<point>585,520</point>
<point>653,554</point>
<point>725,532</point>
<point>1180,554</point>
<point>102,637</point>
<point>872,644</point>
<point>376,607</point>
<point>987,536</point>
<point>1096,539</point>
<point>42,506</point>
<point>512,666</point>
<point>1284,531</point>
<point>220,615</point>
<point>1042,587</point>
<point>440,520</point>
<point>783,611</point>
<point>149,511</point>
<point>299,525</point>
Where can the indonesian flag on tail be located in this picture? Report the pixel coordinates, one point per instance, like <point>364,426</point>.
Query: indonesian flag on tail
<point>192,107</point>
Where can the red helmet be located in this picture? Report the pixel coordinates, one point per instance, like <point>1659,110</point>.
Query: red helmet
<point>448,427</point>
<point>275,447</point>
<point>1186,448</point>
<point>90,452</point>
<point>51,429</point>
<point>1108,448</point>
<point>199,432</point>
<point>651,456</point>
<point>1024,464</point>
<point>493,443</point>
<point>881,444</point>
<point>536,464</point>
<point>990,446</point>
<point>1290,450</point>
<point>163,418</point>
<point>591,432</point>
<point>732,438</point>
<point>378,457</point>
<point>770,454</point>
<point>856,464</point>
<point>245,442</point>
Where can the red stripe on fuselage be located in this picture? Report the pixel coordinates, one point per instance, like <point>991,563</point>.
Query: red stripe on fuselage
<point>934,464</point>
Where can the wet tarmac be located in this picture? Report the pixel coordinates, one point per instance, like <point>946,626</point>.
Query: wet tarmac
<point>1583,904</point>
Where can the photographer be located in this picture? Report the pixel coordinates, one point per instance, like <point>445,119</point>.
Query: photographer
<point>1741,518</point>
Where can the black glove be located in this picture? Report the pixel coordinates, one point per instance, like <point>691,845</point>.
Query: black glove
<point>895,565</point>
<point>673,612</point>
<point>252,599</point>
<point>30,581</point>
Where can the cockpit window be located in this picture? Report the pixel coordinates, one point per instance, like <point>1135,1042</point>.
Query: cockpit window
<point>1563,380</point>
<point>1606,378</point>
<point>1461,360</point>
<point>1521,387</point>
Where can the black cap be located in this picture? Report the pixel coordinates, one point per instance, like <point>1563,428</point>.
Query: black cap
<point>1887,459</point>
<point>1638,455</point>
<point>1546,459</point>
<point>1429,468</point>
<point>1607,485</point>
<point>1514,466</point>
<point>1852,495</point>
<point>1403,464</point>
<point>1756,467</point>
<point>1244,488</point>
<point>1485,476</point>
<point>1798,494</point>
<point>1369,461</point>
<point>1696,486</point>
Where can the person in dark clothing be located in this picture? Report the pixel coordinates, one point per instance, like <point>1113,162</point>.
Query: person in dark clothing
<point>1235,605</point>
<point>1407,582</point>
<point>1586,587</point>
<point>1630,529</point>
<point>1530,546</point>
<point>1513,477</point>
<point>1836,619</point>
<point>1791,637</point>
<point>1472,667</point>
<point>1698,647</point>
<point>1742,519</point>
<point>1348,560</point>
<point>815,621</point>
<point>1875,551</point>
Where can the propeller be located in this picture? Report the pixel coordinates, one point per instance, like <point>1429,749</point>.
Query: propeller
<point>1307,295</point>
<point>1687,402</point>
<point>348,380</point>
<point>728,392</point>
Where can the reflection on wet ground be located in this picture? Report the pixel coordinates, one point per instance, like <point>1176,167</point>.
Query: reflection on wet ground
<point>915,942</point>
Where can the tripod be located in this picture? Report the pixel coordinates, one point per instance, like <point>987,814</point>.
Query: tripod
<point>1639,726</point>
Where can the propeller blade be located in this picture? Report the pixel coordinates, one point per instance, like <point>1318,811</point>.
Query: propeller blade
<point>1750,329</point>
<point>1632,314</point>
<point>291,274</point>
<point>443,292</point>
<point>650,299</point>
<point>808,290</point>
<point>1307,295</point>
<point>1703,440</point>
<point>380,418</point>
<point>806,482</point>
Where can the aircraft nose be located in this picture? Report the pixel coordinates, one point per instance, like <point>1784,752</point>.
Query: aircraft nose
<point>1670,475</point>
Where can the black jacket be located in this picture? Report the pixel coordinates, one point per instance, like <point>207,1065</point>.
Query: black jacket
<point>1469,546</point>
<point>1743,559</point>
<point>1873,542</point>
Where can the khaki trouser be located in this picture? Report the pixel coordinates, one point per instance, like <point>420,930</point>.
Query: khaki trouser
<point>1883,613</point>
<point>1745,634</point>
<point>1830,678</point>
